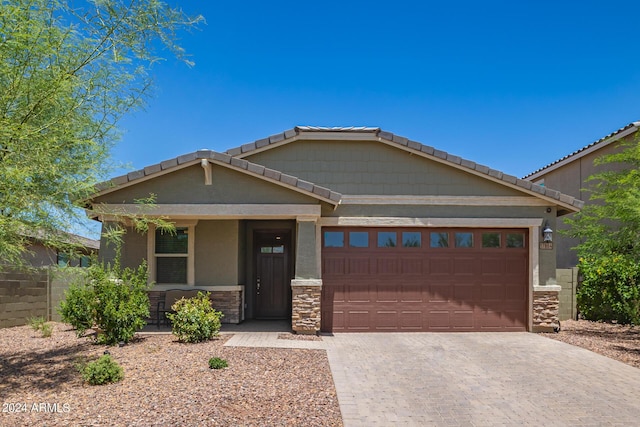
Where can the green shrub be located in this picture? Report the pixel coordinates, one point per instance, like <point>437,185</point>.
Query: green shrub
<point>36,323</point>
<point>217,363</point>
<point>47,330</point>
<point>102,371</point>
<point>113,300</point>
<point>610,289</point>
<point>39,324</point>
<point>195,319</point>
<point>77,307</point>
<point>121,303</point>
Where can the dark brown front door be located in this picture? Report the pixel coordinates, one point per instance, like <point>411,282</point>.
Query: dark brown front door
<point>272,278</point>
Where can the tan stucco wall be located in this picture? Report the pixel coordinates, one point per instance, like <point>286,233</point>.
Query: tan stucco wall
<point>369,167</point>
<point>187,186</point>
<point>216,253</point>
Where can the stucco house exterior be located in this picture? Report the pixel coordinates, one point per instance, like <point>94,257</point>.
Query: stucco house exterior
<point>348,229</point>
<point>570,173</point>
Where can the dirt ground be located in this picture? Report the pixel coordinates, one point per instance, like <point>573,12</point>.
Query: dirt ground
<point>618,342</point>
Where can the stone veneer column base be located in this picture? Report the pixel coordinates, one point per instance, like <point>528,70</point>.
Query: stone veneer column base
<point>305,305</point>
<point>546,308</point>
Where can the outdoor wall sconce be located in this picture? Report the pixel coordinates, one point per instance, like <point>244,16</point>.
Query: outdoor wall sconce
<point>547,233</point>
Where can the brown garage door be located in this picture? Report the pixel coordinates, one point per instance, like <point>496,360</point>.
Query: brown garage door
<point>381,279</point>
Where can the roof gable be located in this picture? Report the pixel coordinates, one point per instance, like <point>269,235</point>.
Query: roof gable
<point>206,157</point>
<point>566,202</point>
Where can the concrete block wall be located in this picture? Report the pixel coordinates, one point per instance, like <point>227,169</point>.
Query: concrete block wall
<point>567,279</point>
<point>23,295</point>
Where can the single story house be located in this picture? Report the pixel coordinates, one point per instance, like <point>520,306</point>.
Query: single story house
<point>348,229</point>
<point>570,173</point>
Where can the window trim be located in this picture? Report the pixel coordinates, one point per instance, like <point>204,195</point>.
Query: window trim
<point>191,246</point>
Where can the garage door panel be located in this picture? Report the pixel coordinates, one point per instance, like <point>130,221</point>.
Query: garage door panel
<point>411,293</point>
<point>333,266</point>
<point>420,288</point>
<point>357,320</point>
<point>386,320</point>
<point>413,266</point>
<point>388,293</point>
<point>359,293</point>
<point>466,266</point>
<point>492,292</point>
<point>440,266</point>
<point>463,293</point>
<point>492,266</point>
<point>359,266</point>
<point>440,292</point>
<point>411,320</point>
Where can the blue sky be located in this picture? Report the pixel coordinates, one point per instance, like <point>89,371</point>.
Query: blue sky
<point>510,84</point>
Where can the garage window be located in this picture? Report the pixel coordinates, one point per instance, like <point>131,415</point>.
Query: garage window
<point>439,240</point>
<point>333,239</point>
<point>515,240</point>
<point>411,239</point>
<point>464,240</point>
<point>387,239</point>
<point>358,239</point>
<point>491,240</point>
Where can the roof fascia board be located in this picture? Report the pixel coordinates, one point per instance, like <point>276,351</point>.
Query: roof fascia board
<point>583,153</point>
<point>348,199</point>
<point>210,211</point>
<point>430,222</point>
<point>497,179</point>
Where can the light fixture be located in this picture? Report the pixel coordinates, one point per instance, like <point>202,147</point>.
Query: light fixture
<point>547,233</point>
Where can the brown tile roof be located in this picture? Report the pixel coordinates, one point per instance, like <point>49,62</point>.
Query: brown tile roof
<point>233,158</point>
<point>412,146</point>
<point>613,136</point>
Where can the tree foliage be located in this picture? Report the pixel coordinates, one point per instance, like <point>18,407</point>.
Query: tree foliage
<point>609,233</point>
<point>68,72</point>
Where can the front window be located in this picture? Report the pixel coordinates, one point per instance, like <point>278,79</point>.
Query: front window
<point>172,256</point>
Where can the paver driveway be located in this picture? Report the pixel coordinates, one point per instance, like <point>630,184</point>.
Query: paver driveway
<point>482,379</point>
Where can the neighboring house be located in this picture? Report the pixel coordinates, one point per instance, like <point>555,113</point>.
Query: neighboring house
<point>41,255</point>
<point>569,175</point>
<point>347,229</point>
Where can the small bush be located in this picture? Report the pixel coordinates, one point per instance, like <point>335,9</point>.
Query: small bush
<point>36,323</point>
<point>195,320</point>
<point>114,300</point>
<point>217,363</point>
<point>77,308</point>
<point>47,330</point>
<point>39,324</point>
<point>102,371</point>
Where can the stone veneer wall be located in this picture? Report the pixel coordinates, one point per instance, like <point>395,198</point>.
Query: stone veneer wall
<point>546,308</point>
<point>228,302</point>
<point>305,312</point>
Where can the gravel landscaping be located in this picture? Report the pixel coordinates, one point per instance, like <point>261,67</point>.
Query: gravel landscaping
<point>166,383</point>
<point>618,342</point>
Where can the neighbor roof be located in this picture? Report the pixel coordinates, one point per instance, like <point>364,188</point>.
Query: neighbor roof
<point>596,145</point>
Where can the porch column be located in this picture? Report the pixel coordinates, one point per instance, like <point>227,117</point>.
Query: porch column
<point>306,288</point>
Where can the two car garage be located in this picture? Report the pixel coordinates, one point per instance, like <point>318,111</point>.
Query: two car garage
<point>424,279</point>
